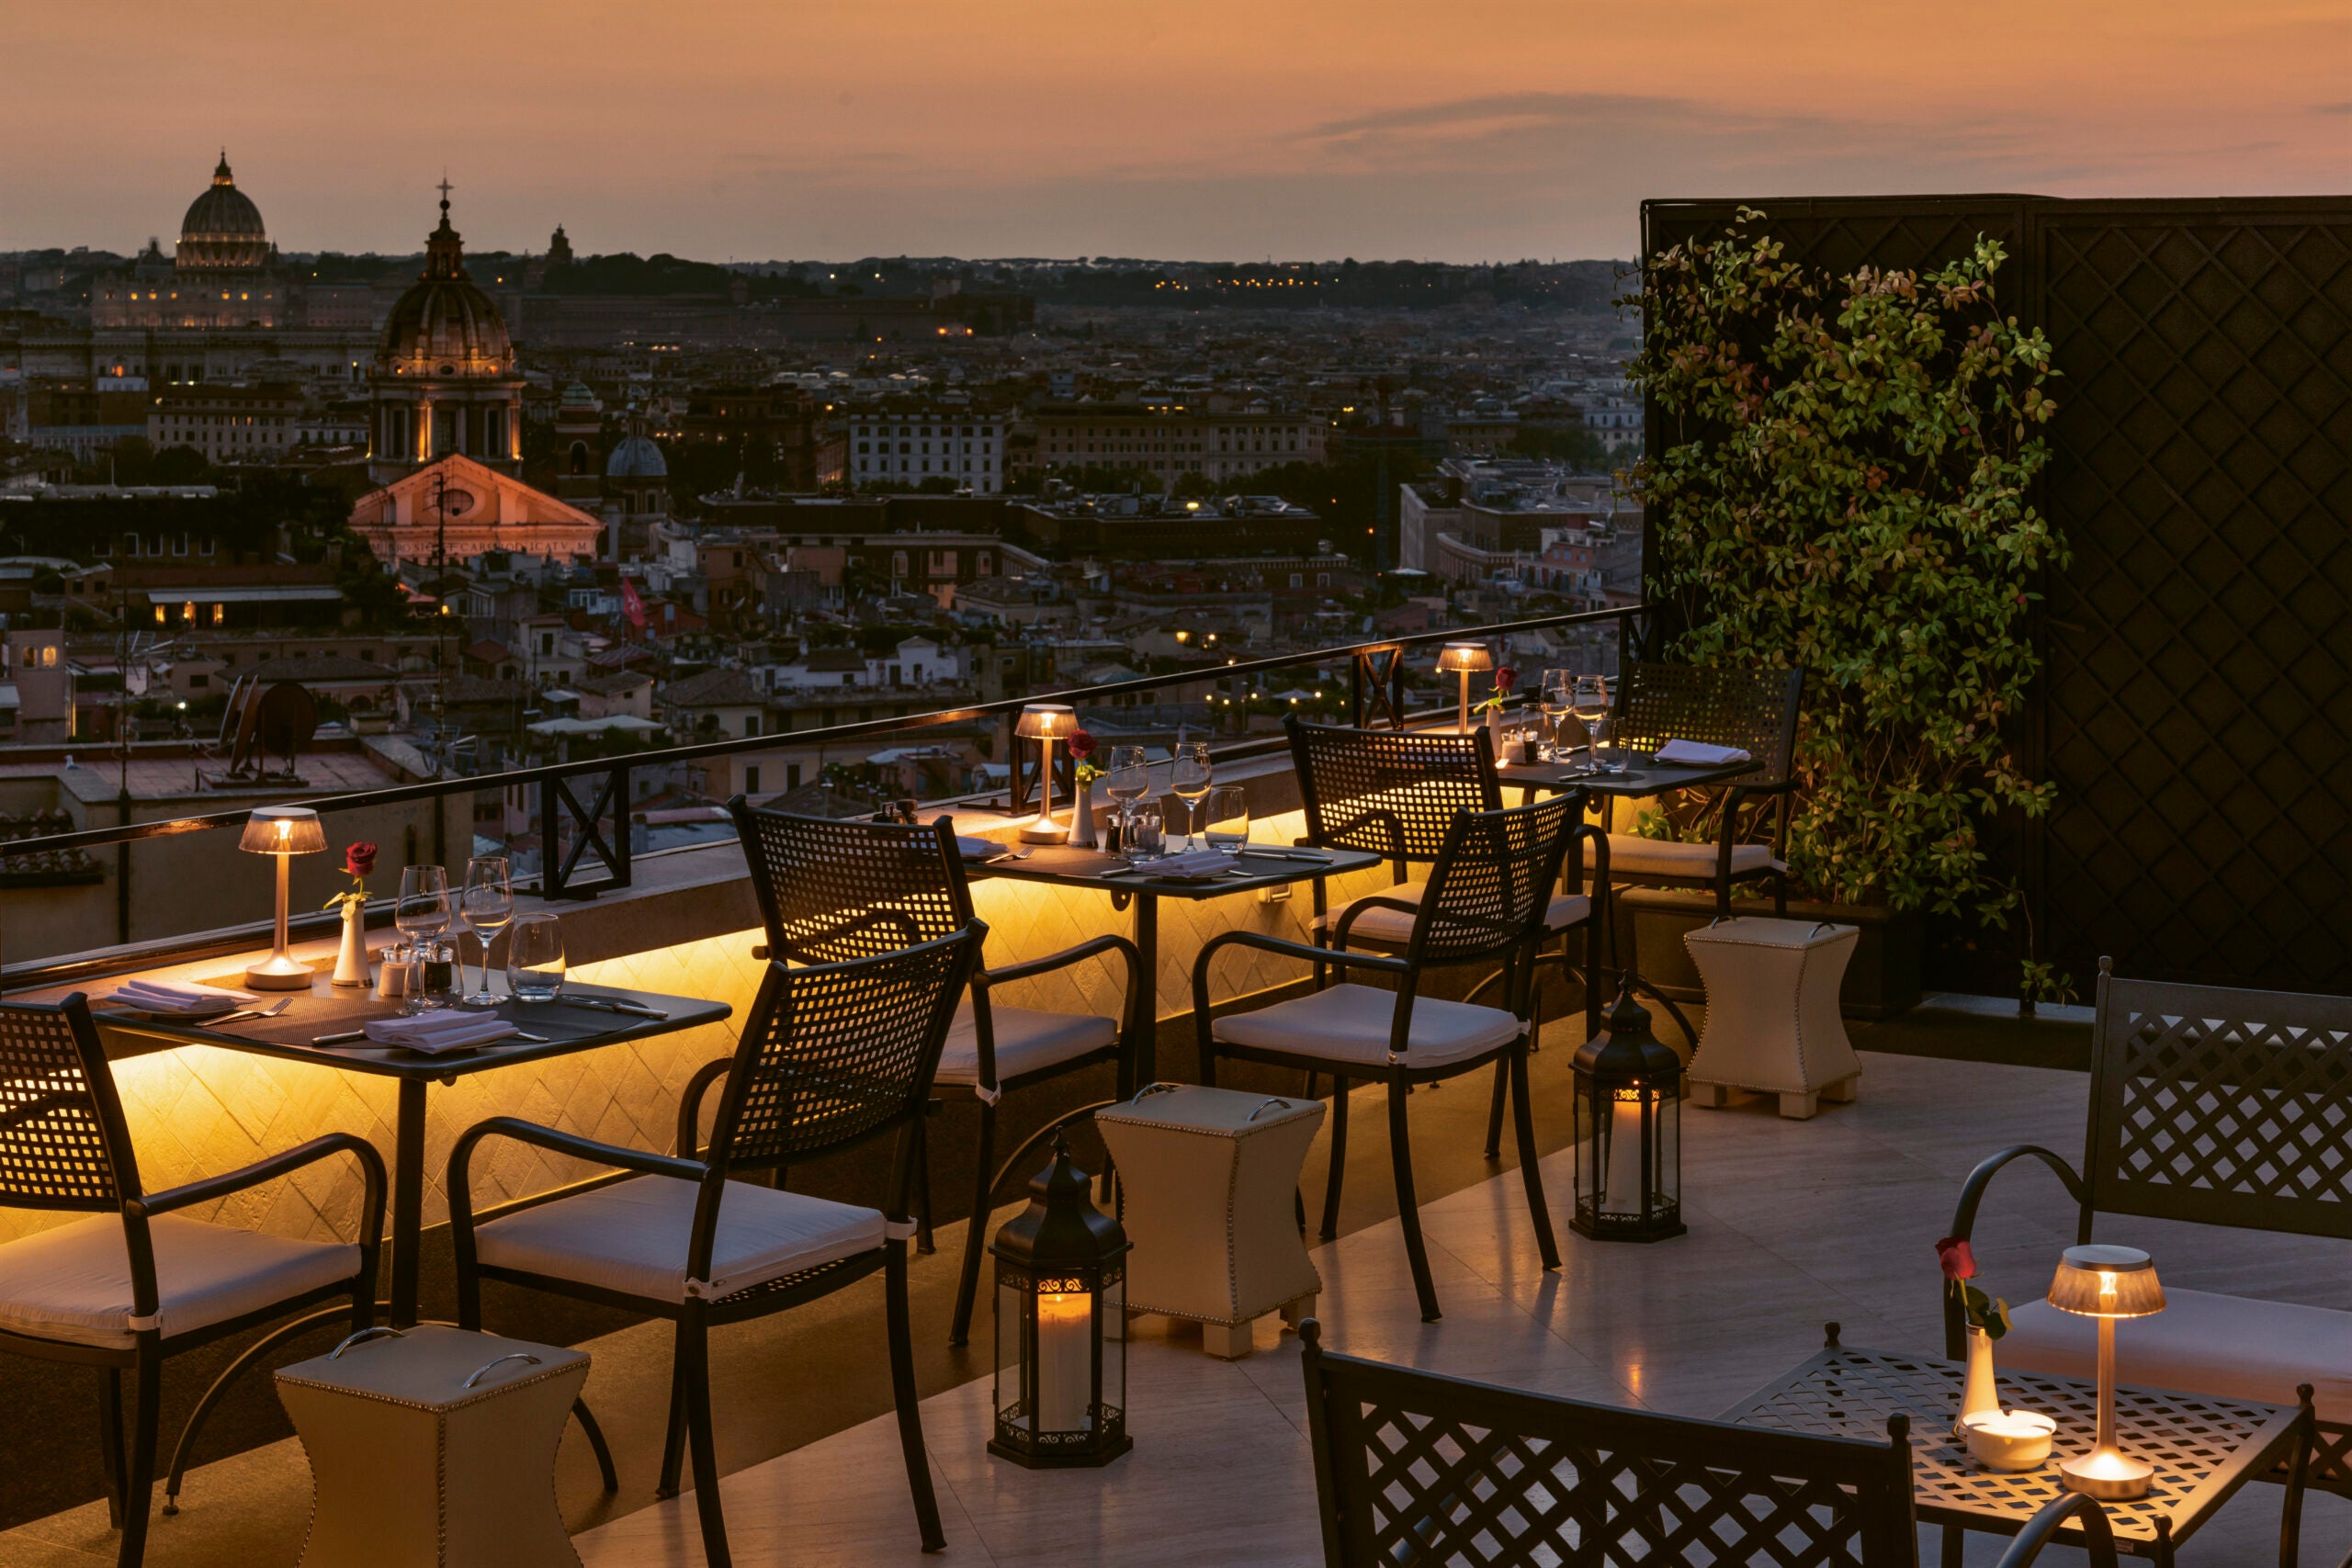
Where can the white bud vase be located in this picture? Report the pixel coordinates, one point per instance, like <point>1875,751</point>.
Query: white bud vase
<point>1979,1397</point>
<point>1081,826</point>
<point>351,960</point>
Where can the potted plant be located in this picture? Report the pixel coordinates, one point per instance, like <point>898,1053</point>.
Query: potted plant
<point>1842,478</point>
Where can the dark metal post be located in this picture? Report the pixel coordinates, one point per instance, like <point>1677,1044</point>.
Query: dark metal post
<point>1355,692</point>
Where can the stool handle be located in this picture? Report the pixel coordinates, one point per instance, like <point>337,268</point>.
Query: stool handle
<point>1151,1089</point>
<point>1272,1104</point>
<point>483,1370</point>
<point>362,1337</point>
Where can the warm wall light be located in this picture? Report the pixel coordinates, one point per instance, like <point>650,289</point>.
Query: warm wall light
<point>2107,1283</point>
<point>1045,723</point>
<point>284,831</point>
<point>1464,659</point>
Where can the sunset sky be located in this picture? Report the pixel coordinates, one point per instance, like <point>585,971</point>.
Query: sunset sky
<point>1299,129</point>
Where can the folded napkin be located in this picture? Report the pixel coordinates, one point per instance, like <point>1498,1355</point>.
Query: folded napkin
<point>979,849</point>
<point>432,1033</point>
<point>179,996</point>
<point>1699,754</point>
<point>1194,865</point>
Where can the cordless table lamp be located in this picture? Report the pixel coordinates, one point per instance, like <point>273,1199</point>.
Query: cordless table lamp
<point>1045,723</point>
<point>1464,659</point>
<point>284,831</point>
<point>2107,1283</point>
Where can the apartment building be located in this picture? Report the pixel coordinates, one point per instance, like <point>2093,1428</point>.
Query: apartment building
<point>228,424</point>
<point>907,448</point>
<point>1175,439</point>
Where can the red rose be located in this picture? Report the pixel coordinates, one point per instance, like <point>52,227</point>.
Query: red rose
<point>1082,745</point>
<point>1504,678</point>
<point>1957,1261</point>
<point>359,859</point>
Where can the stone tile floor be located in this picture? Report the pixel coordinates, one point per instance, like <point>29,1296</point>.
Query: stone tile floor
<point>1793,1224</point>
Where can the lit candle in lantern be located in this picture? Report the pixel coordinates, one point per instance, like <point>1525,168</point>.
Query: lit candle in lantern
<point>1065,1360</point>
<point>1623,1191</point>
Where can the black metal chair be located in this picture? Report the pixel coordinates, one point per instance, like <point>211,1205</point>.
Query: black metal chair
<point>1755,710</point>
<point>832,1056</point>
<point>1485,903</point>
<point>834,890</point>
<point>138,1282</point>
<point>1418,1467</point>
<point>1394,792</point>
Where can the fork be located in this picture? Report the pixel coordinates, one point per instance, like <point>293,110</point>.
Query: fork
<point>246,1015</point>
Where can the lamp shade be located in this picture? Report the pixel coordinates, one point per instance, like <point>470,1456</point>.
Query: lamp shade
<point>1460,658</point>
<point>2107,1282</point>
<point>1047,721</point>
<point>283,830</point>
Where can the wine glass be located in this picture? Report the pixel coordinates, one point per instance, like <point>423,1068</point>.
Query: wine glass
<point>487,903</point>
<point>1590,704</point>
<point>1228,829</point>
<point>1127,777</point>
<point>1190,779</point>
<point>1554,699</point>
<point>421,913</point>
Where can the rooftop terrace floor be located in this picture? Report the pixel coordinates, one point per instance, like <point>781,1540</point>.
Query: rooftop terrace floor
<point>1792,1224</point>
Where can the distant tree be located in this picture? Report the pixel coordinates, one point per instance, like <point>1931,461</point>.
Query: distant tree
<point>937,484</point>
<point>1581,447</point>
<point>135,461</point>
<point>177,466</point>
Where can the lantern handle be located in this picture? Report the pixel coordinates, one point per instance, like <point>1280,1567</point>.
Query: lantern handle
<point>1270,1104</point>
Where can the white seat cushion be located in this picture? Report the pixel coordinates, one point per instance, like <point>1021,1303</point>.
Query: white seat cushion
<point>1350,1024</point>
<point>1026,1039</point>
<point>631,1236</point>
<point>73,1282</point>
<point>1633,856</point>
<point>2231,1347</point>
<point>1394,927</point>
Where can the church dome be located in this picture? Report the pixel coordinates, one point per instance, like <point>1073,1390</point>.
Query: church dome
<point>444,325</point>
<point>637,458</point>
<point>223,228</point>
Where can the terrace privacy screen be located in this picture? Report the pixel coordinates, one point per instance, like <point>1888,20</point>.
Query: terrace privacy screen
<point>2194,709</point>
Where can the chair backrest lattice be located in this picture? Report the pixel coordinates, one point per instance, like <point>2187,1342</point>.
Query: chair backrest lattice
<point>833,1055</point>
<point>1492,882</point>
<point>2221,1106</point>
<point>1755,710</point>
<point>1393,792</point>
<point>831,891</point>
<point>62,1144</point>
<point>1414,1467</point>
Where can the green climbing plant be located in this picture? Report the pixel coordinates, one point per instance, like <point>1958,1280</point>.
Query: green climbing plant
<point>1844,482</point>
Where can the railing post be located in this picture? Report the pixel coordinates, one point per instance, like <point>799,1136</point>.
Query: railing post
<point>1355,692</point>
<point>551,866</point>
<point>620,840</point>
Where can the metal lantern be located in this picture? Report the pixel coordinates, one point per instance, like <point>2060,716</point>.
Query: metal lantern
<point>1629,1125</point>
<point>1061,1341</point>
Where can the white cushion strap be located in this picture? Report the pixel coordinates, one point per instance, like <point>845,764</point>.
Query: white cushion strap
<point>699,1290</point>
<point>898,1230</point>
<point>987,1094</point>
<point>140,1325</point>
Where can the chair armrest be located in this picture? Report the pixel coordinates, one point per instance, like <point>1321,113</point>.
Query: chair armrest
<point>371,1170</point>
<point>1385,963</point>
<point>1963,1222</point>
<point>689,1144</point>
<point>521,1132</point>
<point>2099,1538</point>
<point>1032,967</point>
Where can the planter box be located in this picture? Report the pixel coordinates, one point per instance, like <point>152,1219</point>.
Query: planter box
<point>1882,980</point>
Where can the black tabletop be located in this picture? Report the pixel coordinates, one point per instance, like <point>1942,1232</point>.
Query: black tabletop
<point>1065,867</point>
<point>564,1027</point>
<point>1643,775</point>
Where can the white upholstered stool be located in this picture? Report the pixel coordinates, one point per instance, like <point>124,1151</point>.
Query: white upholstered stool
<point>1209,1178</point>
<point>1773,1021</point>
<point>434,1449</point>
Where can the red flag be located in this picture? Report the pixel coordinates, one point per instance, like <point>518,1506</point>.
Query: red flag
<point>631,605</point>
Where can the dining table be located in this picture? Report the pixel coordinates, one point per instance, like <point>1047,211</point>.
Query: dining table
<point>1255,869</point>
<point>583,1018</point>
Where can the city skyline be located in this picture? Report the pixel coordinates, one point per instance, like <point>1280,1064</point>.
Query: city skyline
<point>1486,132</point>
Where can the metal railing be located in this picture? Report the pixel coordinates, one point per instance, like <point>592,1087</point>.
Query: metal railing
<point>1377,695</point>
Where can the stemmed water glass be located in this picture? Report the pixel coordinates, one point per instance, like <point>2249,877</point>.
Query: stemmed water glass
<point>1555,698</point>
<point>1190,779</point>
<point>1591,705</point>
<point>421,914</point>
<point>487,903</point>
<point>1126,778</point>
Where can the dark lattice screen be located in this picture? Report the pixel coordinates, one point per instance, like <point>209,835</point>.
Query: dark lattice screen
<point>2196,711</point>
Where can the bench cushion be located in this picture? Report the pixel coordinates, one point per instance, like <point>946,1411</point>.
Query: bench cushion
<point>2234,1347</point>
